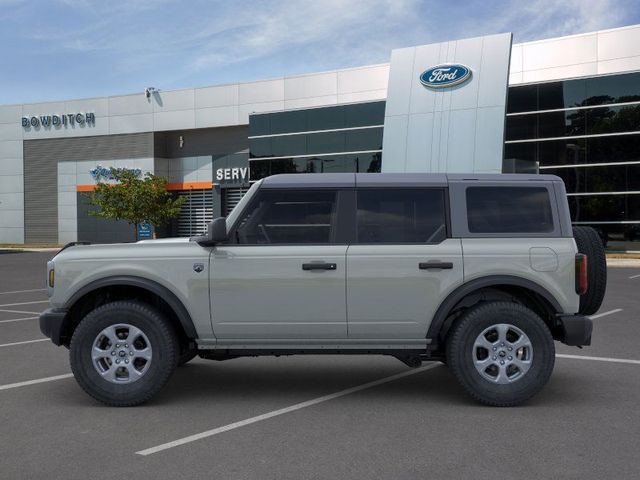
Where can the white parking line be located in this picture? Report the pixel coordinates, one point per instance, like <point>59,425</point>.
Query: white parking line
<point>634,276</point>
<point>599,359</point>
<point>24,291</point>
<point>34,382</point>
<point>23,303</point>
<point>18,311</point>
<point>610,312</point>
<point>23,343</point>
<point>282,411</point>
<point>18,319</point>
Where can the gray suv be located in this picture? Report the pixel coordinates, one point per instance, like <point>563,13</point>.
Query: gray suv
<point>482,272</point>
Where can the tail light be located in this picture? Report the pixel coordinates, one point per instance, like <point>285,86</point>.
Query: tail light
<point>582,281</point>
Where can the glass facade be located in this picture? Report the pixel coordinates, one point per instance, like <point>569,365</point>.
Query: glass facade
<point>586,131</point>
<point>344,138</point>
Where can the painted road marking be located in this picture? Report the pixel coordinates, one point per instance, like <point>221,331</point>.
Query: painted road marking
<point>23,343</point>
<point>610,312</point>
<point>599,359</point>
<point>23,303</point>
<point>18,319</point>
<point>634,276</point>
<point>18,311</point>
<point>34,382</point>
<point>282,411</point>
<point>24,291</point>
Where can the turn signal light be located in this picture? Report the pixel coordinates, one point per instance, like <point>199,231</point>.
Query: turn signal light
<point>52,277</point>
<point>582,280</point>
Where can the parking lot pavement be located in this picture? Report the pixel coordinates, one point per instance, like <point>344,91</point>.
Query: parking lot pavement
<point>317,416</point>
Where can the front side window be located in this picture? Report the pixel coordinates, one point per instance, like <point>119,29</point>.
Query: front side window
<point>288,217</point>
<point>401,215</point>
<point>509,210</point>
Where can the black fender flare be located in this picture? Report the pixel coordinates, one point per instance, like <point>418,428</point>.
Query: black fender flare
<point>154,287</point>
<point>465,289</point>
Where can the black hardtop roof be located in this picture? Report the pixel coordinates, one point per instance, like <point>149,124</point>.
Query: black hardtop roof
<point>320,180</point>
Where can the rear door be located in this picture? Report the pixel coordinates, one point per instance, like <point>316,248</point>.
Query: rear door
<point>402,263</point>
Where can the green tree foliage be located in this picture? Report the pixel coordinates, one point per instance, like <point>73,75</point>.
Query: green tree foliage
<point>135,199</point>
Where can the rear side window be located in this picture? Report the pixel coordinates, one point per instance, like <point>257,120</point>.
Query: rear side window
<point>401,215</point>
<point>509,210</point>
<point>288,217</point>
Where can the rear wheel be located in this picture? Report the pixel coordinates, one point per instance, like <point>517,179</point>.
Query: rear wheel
<point>588,242</point>
<point>122,353</point>
<point>502,353</point>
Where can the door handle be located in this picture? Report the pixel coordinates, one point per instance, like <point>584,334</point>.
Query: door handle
<point>435,265</point>
<point>319,266</point>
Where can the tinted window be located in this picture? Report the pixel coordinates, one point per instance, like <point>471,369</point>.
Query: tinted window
<point>289,145</point>
<point>401,216</point>
<point>614,178</point>
<point>613,119</point>
<point>288,217</point>
<point>509,210</point>
<point>326,142</point>
<point>521,127</point>
<point>259,169</point>
<point>285,122</point>
<point>325,118</point>
<point>562,152</point>
<point>570,93</point>
<point>522,99</point>
<point>561,124</point>
<point>623,148</point>
<point>613,89</point>
<point>361,114</point>
<point>522,151</point>
<point>365,139</point>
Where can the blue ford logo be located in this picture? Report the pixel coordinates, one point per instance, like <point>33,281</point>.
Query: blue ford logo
<point>442,76</point>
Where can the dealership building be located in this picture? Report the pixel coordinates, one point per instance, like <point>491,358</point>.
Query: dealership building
<point>567,106</point>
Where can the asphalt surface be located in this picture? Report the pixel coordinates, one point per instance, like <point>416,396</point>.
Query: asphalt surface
<point>585,423</point>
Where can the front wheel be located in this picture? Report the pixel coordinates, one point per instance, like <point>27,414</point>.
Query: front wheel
<point>502,353</point>
<point>122,353</point>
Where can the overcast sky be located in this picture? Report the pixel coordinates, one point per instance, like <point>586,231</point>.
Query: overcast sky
<point>66,49</point>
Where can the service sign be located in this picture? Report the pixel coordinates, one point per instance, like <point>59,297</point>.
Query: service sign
<point>442,76</point>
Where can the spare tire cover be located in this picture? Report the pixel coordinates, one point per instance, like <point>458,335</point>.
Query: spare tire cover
<point>589,243</point>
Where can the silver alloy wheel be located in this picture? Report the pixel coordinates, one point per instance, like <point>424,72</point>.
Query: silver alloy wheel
<point>121,353</point>
<point>502,353</point>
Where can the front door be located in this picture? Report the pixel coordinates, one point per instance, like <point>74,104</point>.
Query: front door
<point>282,276</point>
<point>402,265</point>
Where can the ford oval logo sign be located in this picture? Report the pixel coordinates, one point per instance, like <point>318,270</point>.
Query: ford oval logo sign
<point>442,76</point>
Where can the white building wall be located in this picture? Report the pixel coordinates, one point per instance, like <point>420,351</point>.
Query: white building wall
<point>454,129</point>
<point>11,176</point>
<point>584,55</point>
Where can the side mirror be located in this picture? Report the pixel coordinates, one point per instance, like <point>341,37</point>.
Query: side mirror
<point>216,233</point>
<point>217,230</point>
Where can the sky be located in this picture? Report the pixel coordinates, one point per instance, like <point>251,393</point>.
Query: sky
<point>68,49</point>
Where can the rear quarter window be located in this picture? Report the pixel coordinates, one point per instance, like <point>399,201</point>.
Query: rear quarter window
<point>498,209</point>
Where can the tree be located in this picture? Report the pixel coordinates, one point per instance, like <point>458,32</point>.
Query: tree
<point>135,199</point>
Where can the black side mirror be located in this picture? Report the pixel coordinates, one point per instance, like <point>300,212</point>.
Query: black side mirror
<point>217,230</point>
<point>216,233</point>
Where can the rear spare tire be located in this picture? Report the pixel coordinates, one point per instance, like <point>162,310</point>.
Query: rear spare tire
<point>589,243</point>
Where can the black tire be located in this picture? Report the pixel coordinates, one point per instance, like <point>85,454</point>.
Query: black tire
<point>163,342</point>
<point>460,353</point>
<point>187,355</point>
<point>588,242</point>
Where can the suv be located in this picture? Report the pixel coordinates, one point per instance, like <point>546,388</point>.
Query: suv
<point>481,272</point>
